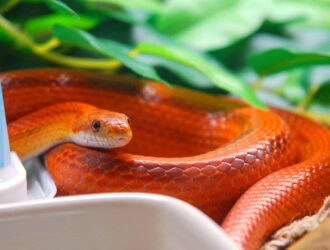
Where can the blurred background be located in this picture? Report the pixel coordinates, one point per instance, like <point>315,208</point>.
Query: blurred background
<point>264,51</point>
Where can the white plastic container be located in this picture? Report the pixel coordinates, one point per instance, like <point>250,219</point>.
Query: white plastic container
<point>123,221</point>
<point>13,186</point>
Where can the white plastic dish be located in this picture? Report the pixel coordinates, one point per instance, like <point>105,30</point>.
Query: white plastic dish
<point>13,186</point>
<point>109,221</point>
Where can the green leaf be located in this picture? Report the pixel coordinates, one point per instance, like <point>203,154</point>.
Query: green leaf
<point>42,24</point>
<point>315,13</point>
<point>323,93</point>
<point>265,41</point>
<point>179,15</point>
<point>321,99</point>
<point>5,38</point>
<point>122,10</point>
<point>153,6</point>
<point>277,26</point>
<point>296,86</point>
<point>218,76</point>
<point>128,16</point>
<point>190,76</point>
<point>60,7</point>
<point>105,47</point>
<point>214,24</point>
<point>281,59</point>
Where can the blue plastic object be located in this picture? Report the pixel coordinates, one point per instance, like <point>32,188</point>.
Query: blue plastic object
<point>4,142</point>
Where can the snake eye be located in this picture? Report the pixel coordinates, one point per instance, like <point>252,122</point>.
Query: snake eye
<point>96,125</point>
<point>128,121</point>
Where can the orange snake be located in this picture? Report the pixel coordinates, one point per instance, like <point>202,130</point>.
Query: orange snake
<point>206,150</point>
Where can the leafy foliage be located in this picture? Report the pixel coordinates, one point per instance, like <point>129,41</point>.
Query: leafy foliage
<point>296,86</point>
<point>277,46</point>
<point>277,60</point>
<point>219,77</point>
<point>60,7</point>
<point>44,24</point>
<point>106,47</point>
<point>210,25</point>
<point>321,100</point>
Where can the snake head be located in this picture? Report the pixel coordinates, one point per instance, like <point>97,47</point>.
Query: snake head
<point>101,129</point>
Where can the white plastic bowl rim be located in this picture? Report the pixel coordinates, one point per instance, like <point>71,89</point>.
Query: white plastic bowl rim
<point>112,220</point>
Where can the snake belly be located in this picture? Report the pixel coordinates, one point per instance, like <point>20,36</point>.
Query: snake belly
<point>207,150</point>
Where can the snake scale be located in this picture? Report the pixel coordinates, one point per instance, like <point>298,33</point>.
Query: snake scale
<point>249,169</point>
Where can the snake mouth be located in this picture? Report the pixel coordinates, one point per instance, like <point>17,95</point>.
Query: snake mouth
<point>122,139</point>
<point>108,142</point>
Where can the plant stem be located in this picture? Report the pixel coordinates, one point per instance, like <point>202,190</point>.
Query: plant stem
<point>301,108</point>
<point>49,45</point>
<point>133,52</point>
<point>15,33</point>
<point>257,85</point>
<point>43,51</point>
<point>310,94</point>
<point>85,63</point>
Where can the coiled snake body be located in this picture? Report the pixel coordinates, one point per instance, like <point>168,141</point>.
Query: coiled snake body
<point>203,149</point>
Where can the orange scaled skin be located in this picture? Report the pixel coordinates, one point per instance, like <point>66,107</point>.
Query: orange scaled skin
<point>203,149</point>
<point>38,131</point>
